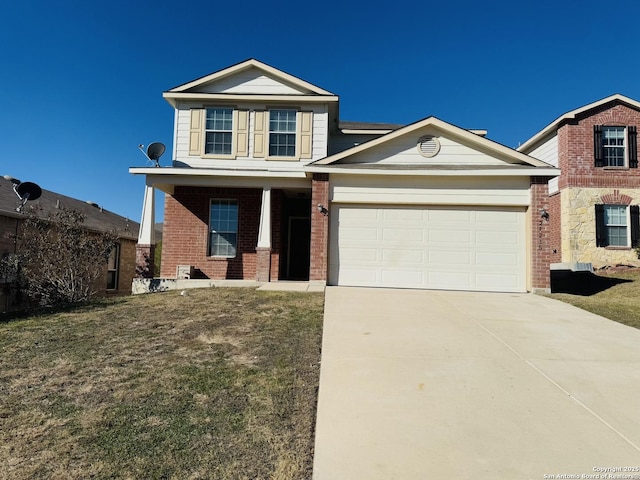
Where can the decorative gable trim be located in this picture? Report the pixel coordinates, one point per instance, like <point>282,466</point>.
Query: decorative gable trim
<point>511,156</point>
<point>252,63</point>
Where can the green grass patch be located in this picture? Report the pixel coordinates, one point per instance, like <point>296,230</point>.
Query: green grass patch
<point>220,383</point>
<point>612,295</point>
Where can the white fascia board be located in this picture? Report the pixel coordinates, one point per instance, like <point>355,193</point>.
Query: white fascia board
<point>506,172</point>
<point>544,133</point>
<point>213,172</point>
<point>173,98</point>
<point>348,131</point>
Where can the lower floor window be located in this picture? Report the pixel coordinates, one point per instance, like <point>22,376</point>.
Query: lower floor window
<point>223,228</point>
<point>615,219</point>
<point>617,225</point>
<point>112,268</point>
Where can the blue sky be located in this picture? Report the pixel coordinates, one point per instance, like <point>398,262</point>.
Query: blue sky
<point>82,81</point>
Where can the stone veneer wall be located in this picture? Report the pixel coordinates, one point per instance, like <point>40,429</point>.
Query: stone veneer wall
<point>579,228</point>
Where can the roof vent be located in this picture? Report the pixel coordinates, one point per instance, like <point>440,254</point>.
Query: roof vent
<point>428,146</point>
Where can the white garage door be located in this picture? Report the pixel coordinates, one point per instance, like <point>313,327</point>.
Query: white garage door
<point>452,248</point>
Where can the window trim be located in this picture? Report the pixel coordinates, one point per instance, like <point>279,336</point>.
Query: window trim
<point>210,228</point>
<point>205,130</point>
<point>296,134</point>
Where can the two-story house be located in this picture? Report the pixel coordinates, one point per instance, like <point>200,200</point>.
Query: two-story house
<point>593,204</point>
<point>267,183</point>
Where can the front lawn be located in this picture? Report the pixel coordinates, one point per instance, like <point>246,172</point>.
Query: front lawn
<point>613,295</point>
<point>219,383</point>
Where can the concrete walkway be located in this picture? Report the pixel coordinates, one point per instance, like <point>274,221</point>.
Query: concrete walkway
<point>431,384</point>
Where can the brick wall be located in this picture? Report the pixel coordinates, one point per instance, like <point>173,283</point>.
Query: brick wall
<point>7,234</point>
<point>541,250</point>
<point>555,228</point>
<point>575,150</point>
<point>319,227</point>
<point>186,232</point>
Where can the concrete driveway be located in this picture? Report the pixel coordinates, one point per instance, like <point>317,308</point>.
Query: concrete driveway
<point>433,384</point>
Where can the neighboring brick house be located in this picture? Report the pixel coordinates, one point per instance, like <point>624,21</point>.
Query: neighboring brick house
<point>117,273</point>
<point>593,204</point>
<point>266,183</point>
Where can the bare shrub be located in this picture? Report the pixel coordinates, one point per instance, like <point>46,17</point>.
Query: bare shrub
<point>59,259</point>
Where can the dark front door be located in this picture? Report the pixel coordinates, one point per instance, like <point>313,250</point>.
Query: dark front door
<point>299,241</point>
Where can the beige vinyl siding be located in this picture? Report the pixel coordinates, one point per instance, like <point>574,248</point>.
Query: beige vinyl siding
<point>251,81</point>
<point>403,150</point>
<point>184,153</point>
<point>505,191</point>
<point>548,152</point>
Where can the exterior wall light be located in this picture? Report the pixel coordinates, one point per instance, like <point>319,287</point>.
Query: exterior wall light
<point>544,214</point>
<point>323,210</point>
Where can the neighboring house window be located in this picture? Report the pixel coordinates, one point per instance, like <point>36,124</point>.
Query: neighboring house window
<point>112,268</point>
<point>223,228</point>
<point>282,133</point>
<point>617,225</point>
<point>615,146</point>
<point>218,131</point>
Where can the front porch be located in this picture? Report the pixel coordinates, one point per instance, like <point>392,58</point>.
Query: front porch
<point>237,229</point>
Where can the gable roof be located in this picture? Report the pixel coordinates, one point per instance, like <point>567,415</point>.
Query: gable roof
<point>96,218</point>
<point>473,139</point>
<point>616,98</point>
<point>184,89</point>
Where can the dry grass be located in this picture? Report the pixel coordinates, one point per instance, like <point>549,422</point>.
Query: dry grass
<point>220,383</point>
<point>612,295</point>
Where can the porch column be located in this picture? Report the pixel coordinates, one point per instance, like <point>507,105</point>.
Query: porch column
<point>145,248</point>
<point>263,249</point>
<point>319,227</point>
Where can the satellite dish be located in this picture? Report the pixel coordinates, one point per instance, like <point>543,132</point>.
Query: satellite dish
<point>155,151</point>
<point>28,191</point>
<point>25,191</point>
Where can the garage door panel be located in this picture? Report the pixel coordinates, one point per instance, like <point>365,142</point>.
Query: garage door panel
<point>450,236</point>
<point>359,234</point>
<point>361,254</point>
<point>395,256</point>
<point>445,258</point>
<point>403,235</point>
<point>399,278</point>
<point>500,237</point>
<point>496,260</point>
<point>460,248</point>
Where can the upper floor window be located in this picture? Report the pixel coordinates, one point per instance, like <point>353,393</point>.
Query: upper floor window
<point>218,131</point>
<point>615,146</point>
<point>223,228</point>
<point>282,133</point>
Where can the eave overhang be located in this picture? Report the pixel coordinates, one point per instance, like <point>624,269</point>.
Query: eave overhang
<point>174,98</point>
